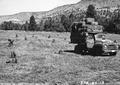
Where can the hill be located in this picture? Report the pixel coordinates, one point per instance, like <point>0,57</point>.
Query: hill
<point>82,5</point>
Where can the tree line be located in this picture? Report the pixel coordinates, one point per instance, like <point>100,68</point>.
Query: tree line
<point>62,22</point>
<point>59,23</point>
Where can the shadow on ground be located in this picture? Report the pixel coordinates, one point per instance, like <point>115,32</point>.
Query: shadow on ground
<point>72,51</point>
<point>90,54</point>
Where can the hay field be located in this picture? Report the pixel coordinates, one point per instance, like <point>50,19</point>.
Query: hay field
<point>48,58</point>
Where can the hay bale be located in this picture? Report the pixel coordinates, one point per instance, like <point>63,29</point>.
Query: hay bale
<point>90,20</point>
<point>95,23</point>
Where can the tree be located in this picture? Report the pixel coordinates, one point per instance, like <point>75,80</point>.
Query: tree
<point>32,24</point>
<point>65,22</point>
<point>48,24</point>
<point>10,26</point>
<point>25,26</point>
<point>71,18</point>
<point>91,12</point>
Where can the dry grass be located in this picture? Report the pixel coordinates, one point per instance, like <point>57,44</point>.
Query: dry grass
<point>45,60</point>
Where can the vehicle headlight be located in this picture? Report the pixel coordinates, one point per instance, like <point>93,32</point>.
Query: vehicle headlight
<point>105,46</point>
<point>118,46</point>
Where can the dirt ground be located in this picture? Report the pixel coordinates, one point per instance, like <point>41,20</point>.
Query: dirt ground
<point>48,58</point>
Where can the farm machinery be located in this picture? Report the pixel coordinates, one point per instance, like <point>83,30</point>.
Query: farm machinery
<point>89,37</point>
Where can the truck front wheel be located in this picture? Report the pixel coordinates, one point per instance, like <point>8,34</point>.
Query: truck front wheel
<point>113,53</point>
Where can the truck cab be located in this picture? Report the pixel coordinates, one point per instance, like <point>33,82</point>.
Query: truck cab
<point>108,47</point>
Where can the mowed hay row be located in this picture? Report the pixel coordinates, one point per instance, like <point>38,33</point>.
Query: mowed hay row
<point>88,69</point>
<point>65,63</point>
<point>103,69</point>
<point>26,47</point>
<point>101,64</point>
<point>56,67</point>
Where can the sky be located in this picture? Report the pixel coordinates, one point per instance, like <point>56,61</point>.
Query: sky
<point>8,7</point>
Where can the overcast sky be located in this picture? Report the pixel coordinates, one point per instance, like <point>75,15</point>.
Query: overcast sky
<point>8,7</point>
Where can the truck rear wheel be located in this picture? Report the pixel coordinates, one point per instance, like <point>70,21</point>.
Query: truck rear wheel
<point>97,50</point>
<point>80,49</point>
<point>76,49</point>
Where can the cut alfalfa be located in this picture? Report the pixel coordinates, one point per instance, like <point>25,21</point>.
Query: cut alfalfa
<point>49,36</point>
<point>25,38</point>
<point>65,38</point>
<point>33,35</point>
<point>36,37</point>
<point>16,35</point>
<point>53,41</point>
<point>60,51</point>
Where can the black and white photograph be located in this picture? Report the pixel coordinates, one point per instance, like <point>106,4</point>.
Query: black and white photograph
<point>59,42</point>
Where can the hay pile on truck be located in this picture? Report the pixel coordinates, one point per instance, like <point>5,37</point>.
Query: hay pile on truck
<point>89,37</point>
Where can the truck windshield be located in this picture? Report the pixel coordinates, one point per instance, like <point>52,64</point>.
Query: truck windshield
<point>100,36</point>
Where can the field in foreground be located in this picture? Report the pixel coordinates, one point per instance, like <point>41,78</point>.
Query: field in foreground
<point>47,57</point>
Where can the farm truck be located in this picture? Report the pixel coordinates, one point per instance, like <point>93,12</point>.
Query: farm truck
<point>89,37</point>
